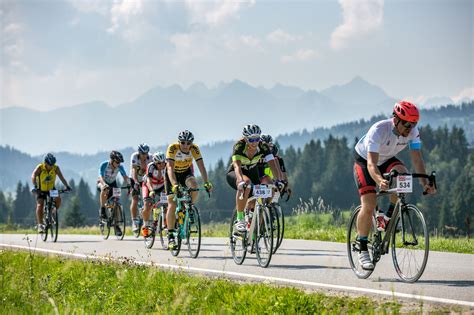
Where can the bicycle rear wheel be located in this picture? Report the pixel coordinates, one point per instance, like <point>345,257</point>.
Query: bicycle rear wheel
<point>275,223</point>
<point>150,239</point>
<point>120,222</point>
<point>353,246</point>
<point>54,224</point>
<point>410,244</point>
<point>264,239</point>
<point>193,232</point>
<point>238,243</point>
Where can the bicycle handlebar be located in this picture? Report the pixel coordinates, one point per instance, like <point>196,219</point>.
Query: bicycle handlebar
<point>394,173</point>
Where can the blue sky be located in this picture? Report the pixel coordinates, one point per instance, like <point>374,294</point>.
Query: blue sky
<point>61,53</point>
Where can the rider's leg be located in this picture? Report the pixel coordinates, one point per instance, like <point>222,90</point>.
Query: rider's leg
<point>170,215</point>
<point>393,197</point>
<point>134,206</point>
<point>364,219</point>
<point>57,202</point>
<point>39,210</point>
<point>146,212</point>
<point>104,192</point>
<point>192,183</point>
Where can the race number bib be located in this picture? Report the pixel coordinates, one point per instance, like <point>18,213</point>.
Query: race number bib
<point>53,193</point>
<point>404,184</point>
<point>116,192</point>
<point>262,191</point>
<point>163,198</point>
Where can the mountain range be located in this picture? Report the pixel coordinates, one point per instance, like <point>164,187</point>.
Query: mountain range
<point>213,114</point>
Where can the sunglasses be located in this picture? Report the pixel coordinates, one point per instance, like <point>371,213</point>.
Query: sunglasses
<point>115,161</point>
<point>252,140</point>
<point>186,142</point>
<point>408,124</point>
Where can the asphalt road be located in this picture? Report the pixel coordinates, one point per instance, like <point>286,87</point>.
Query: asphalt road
<point>448,277</point>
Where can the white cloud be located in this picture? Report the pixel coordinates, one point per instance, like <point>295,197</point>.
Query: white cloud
<point>250,41</point>
<point>361,17</point>
<point>467,93</point>
<point>281,37</point>
<point>301,56</point>
<point>215,12</point>
<point>188,46</point>
<point>92,6</point>
<point>123,11</point>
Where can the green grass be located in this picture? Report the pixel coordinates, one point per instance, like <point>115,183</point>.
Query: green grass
<point>41,284</point>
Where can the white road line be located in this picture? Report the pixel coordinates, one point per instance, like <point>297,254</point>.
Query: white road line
<point>252,276</point>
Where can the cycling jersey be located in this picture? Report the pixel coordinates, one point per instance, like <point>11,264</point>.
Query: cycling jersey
<point>110,174</point>
<point>383,139</point>
<point>46,179</point>
<point>263,154</point>
<point>156,176</point>
<point>182,161</point>
<point>139,166</point>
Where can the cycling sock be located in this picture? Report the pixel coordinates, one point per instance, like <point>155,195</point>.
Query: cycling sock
<point>363,240</point>
<point>240,215</point>
<point>145,223</point>
<point>391,207</point>
<point>170,234</point>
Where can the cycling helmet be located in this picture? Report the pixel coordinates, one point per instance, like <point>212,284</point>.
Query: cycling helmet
<point>406,111</point>
<point>158,157</point>
<point>186,135</point>
<point>116,156</point>
<point>50,159</point>
<point>266,138</point>
<point>251,131</point>
<point>143,148</point>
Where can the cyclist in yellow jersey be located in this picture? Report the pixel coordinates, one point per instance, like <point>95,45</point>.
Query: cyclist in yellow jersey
<point>179,171</point>
<point>43,179</point>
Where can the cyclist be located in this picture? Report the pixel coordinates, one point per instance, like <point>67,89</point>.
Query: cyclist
<point>268,139</point>
<point>179,171</point>
<point>44,179</point>
<point>108,172</point>
<point>244,170</point>
<point>138,163</point>
<point>374,155</point>
<point>153,185</point>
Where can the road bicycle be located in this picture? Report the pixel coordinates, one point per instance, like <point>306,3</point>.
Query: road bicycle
<point>258,237</point>
<point>115,215</point>
<point>50,214</point>
<point>159,207</point>
<point>406,232</point>
<point>188,222</point>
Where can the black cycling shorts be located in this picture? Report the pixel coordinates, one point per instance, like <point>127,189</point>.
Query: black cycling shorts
<point>180,177</point>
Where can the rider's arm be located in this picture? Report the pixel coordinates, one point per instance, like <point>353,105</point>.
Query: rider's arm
<point>35,174</point>
<point>238,171</point>
<point>372,160</point>
<point>170,170</point>
<point>61,177</point>
<point>202,169</point>
<point>419,165</point>
<point>124,174</point>
<point>134,168</point>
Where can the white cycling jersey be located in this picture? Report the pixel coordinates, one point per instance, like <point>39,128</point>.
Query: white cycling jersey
<point>141,167</point>
<point>383,139</point>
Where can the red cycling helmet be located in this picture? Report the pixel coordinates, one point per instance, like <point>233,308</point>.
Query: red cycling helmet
<point>406,111</point>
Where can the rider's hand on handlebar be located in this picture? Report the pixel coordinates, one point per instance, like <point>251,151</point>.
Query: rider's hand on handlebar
<point>151,194</point>
<point>174,189</point>
<point>68,188</point>
<point>430,190</point>
<point>241,186</point>
<point>136,186</point>
<point>208,185</point>
<point>280,184</point>
<point>384,184</point>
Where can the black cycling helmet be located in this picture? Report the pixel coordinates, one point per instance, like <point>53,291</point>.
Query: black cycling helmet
<point>251,131</point>
<point>116,156</point>
<point>143,148</point>
<point>50,159</point>
<point>266,138</point>
<point>186,135</point>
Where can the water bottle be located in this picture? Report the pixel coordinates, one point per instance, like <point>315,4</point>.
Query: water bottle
<point>180,217</point>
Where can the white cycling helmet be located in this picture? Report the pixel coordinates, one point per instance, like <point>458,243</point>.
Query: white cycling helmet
<point>159,157</point>
<point>251,131</point>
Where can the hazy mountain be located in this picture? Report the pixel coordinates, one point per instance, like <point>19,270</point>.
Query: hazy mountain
<point>438,101</point>
<point>213,114</point>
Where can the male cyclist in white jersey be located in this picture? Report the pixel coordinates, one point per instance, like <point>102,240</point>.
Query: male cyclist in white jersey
<point>138,163</point>
<point>374,155</point>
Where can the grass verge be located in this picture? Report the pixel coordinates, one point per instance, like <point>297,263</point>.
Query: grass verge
<point>42,284</point>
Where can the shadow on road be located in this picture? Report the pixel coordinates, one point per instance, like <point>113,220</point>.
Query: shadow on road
<point>306,254</point>
<point>299,267</point>
<point>89,241</point>
<point>450,283</point>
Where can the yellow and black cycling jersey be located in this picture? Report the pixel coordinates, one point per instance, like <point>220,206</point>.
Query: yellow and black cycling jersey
<point>46,179</point>
<point>262,155</point>
<point>182,161</point>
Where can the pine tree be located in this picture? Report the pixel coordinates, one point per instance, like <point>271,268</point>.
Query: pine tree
<point>73,215</point>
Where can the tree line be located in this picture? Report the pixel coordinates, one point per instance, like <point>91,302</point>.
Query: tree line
<point>321,170</point>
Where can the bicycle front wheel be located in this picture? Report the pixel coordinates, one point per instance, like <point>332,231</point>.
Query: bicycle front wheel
<point>410,244</point>
<point>44,236</point>
<point>54,224</point>
<point>193,231</point>
<point>275,222</point>
<point>120,222</point>
<point>281,224</point>
<point>162,230</point>
<point>353,246</point>
<point>264,241</point>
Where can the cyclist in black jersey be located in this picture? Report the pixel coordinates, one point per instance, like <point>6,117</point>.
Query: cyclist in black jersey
<point>247,154</point>
<point>268,139</point>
